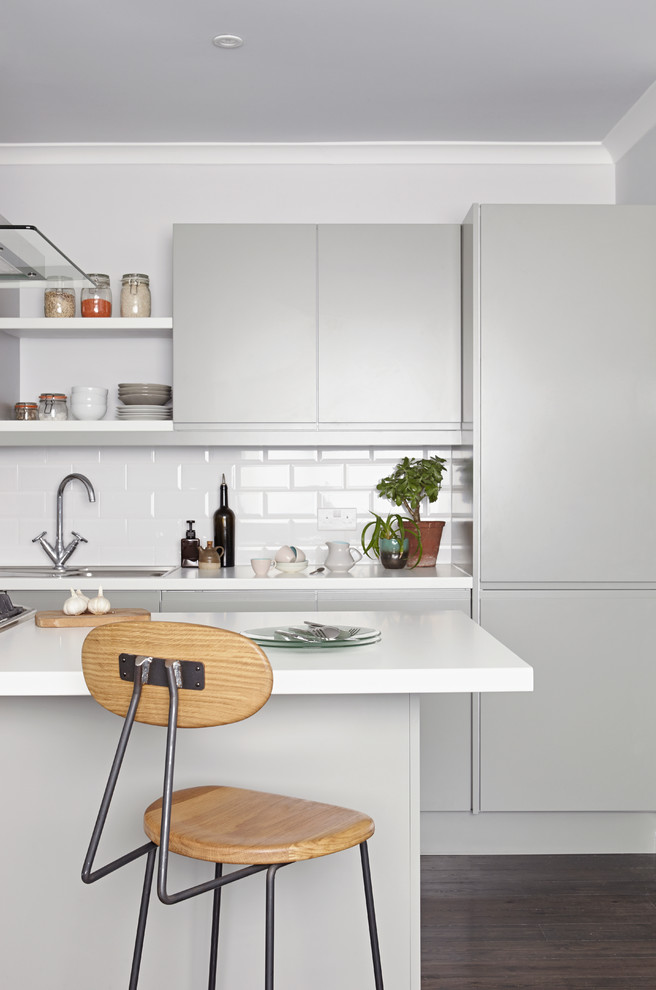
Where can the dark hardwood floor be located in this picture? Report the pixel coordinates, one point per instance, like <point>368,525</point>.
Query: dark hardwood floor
<point>524,922</point>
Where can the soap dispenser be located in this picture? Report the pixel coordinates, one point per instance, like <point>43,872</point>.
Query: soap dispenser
<point>189,546</point>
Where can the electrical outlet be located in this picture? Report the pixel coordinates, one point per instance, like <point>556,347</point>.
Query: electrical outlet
<point>337,519</point>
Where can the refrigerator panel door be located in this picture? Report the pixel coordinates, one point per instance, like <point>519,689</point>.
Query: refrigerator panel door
<point>585,738</point>
<point>568,394</point>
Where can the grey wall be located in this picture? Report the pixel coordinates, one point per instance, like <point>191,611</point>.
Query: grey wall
<point>635,172</point>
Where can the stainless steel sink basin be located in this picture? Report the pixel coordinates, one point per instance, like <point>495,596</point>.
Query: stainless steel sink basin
<point>83,572</point>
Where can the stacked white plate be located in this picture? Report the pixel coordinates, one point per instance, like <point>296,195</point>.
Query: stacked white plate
<point>142,400</point>
<point>144,412</point>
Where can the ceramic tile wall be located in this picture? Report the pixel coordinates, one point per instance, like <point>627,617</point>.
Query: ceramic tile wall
<point>145,495</point>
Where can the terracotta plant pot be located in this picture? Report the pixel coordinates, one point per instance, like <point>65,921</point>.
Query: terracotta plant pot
<point>431,535</point>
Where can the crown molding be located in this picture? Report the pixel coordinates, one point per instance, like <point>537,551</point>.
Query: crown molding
<point>328,153</point>
<point>636,122</point>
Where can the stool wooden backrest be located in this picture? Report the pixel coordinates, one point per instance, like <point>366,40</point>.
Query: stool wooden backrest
<point>238,675</point>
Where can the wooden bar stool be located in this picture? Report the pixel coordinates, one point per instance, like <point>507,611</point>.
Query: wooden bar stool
<point>183,675</point>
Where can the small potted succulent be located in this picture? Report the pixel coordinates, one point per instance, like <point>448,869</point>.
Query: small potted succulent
<point>412,481</point>
<point>386,539</point>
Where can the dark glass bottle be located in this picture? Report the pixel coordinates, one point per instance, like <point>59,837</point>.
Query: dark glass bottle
<point>224,527</point>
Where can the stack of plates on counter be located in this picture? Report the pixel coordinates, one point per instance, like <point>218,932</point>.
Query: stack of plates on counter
<point>144,401</point>
<point>303,637</point>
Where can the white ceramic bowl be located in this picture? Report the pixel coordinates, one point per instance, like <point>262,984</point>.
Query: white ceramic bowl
<point>289,567</point>
<point>84,391</point>
<point>88,410</point>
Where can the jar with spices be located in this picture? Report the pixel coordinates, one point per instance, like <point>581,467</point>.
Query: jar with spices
<point>26,411</point>
<point>135,295</point>
<point>52,406</point>
<point>58,298</point>
<point>97,301</point>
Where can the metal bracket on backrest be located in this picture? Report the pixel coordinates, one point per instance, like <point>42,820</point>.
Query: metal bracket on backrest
<point>192,672</point>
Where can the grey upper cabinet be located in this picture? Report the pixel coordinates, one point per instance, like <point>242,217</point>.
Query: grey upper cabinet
<point>244,318</point>
<point>299,326</point>
<point>585,738</point>
<point>389,324</point>
<point>567,315</point>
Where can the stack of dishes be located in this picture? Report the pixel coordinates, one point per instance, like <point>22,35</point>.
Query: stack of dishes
<point>144,401</point>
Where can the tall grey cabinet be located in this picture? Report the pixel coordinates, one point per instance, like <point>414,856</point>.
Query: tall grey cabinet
<point>563,324</point>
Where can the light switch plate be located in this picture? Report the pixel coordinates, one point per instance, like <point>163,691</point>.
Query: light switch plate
<point>337,519</point>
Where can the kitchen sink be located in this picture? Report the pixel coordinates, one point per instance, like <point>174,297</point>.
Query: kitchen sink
<point>83,572</point>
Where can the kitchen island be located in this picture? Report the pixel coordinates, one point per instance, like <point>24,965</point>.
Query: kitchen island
<point>342,726</point>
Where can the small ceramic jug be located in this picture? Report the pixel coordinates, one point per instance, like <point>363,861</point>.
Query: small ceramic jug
<point>340,556</point>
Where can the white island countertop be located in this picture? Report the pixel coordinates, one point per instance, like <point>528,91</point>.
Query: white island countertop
<point>419,653</point>
<point>361,577</point>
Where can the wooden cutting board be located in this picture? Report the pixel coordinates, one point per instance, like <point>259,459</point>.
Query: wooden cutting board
<point>57,619</point>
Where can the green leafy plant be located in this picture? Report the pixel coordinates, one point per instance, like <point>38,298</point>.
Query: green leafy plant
<point>393,527</point>
<point>413,480</point>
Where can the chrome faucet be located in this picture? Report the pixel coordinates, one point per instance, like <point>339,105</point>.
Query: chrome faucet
<point>59,554</point>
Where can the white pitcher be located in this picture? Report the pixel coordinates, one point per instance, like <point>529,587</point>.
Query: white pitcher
<point>340,555</point>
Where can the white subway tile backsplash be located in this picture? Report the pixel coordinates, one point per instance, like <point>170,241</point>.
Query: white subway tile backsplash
<point>155,477</point>
<point>146,495</point>
<point>300,454</point>
<point>20,504</point>
<point>356,454</point>
<point>318,476</point>
<point>263,476</point>
<point>364,475</point>
<point>8,478</point>
<point>41,478</point>
<point>180,505</point>
<point>345,500</point>
<point>126,505</point>
<point>244,504</point>
<point>197,477</point>
<point>292,504</point>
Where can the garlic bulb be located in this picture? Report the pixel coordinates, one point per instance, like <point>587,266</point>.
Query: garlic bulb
<point>85,598</point>
<point>75,605</point>
<point>99,605</point>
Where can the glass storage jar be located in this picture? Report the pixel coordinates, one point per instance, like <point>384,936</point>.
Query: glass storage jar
<point>26,411</point>
<point>52,406</point>
<point>58,298</point>
<point>135,295</point>
<point>97,301</point>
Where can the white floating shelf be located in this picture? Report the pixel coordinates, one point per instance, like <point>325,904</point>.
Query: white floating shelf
<point>53,328</point>
<point>45,428</point>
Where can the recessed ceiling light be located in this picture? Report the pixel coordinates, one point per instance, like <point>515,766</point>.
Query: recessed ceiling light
<point>227,41</point>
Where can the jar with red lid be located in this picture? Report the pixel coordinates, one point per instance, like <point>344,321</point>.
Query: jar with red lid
<point>97,301</point>
<point>52,406</point>
<point>26,411</point>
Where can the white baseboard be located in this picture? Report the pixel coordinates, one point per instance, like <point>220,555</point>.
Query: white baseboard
<point>539,833</point>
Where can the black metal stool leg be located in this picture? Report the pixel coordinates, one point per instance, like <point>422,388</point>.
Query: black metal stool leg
<point>371,916</point>
<point>214,938</point>
<point>270,910</point>
<point>143,915</point>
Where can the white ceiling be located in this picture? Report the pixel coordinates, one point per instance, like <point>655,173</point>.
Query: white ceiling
<point>322,70</point>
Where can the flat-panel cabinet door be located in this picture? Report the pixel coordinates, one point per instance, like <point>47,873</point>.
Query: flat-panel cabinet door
<point>389,323</point>
<point>568,378</point>
<point>585,738</point>
<point>244,317</point>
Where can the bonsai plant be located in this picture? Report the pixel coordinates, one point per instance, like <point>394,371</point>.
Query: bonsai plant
<point>387,540</point>
<point>412,481</point>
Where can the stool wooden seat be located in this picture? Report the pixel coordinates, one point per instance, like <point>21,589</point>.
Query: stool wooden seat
<point>185,675</point>
<point>232,825</point>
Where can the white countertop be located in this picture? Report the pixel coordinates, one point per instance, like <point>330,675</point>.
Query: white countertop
<point>240,578</point>
<point>419,653</point>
